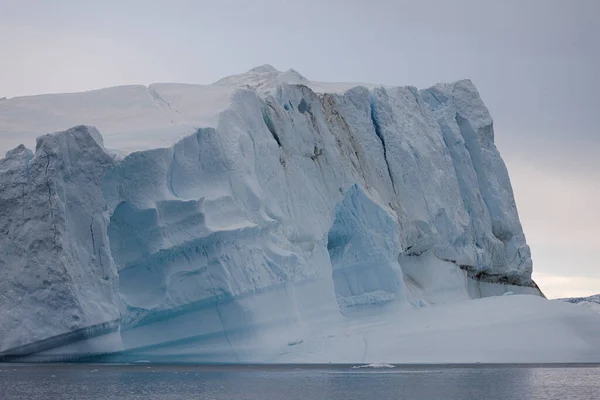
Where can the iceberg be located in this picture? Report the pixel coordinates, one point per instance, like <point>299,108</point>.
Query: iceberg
<point>266,218</point>
<point>592,302</point>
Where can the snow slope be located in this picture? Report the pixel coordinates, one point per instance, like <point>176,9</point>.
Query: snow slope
<point>225,222</point>
<point>506,329</point>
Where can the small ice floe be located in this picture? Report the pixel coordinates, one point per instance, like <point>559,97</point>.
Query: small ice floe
<point>142,361</point>
<point>295,342</point>
<point>375,365</point>
<point>508,294</point>
<point>94,370</point>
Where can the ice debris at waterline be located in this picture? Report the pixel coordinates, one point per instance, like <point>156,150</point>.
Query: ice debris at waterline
<point>268,218</point>
<point>374,365</point>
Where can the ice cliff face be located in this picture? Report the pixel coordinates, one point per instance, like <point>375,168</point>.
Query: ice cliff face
<point>240,216</point>
<point>57,276</point>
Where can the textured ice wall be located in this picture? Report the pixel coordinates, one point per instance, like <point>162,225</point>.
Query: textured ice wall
<point>245,236</point>
<point>57,276</point>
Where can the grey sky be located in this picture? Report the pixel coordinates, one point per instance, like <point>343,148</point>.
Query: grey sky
<point>535,63</point>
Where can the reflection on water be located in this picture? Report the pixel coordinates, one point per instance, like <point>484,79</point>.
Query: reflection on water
<point>87,382</point>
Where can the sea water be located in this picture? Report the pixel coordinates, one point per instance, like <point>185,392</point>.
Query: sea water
<point>290,382</point>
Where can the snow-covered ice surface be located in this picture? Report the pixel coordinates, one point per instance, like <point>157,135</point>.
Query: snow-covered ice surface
<point>506,329</point>
<point>268,218</point>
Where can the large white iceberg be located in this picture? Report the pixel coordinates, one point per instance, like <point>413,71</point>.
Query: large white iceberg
<point>265,218</point>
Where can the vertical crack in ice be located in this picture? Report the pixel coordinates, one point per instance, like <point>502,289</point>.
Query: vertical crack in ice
<point>105,274</point>
<point>23,200</point>
<point>28,181</point>
<point>92,232</point>
<point>374,120</point>
<point>269,123</point>
<point>335,117</point>
<point>220,315</point>
<point>474,148</point>
<point>170,174</point>
<point>54,232</point>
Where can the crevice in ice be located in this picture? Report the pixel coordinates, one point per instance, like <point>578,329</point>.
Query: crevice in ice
<point>313,120</point>
<point>28,158</point>
<point>48,185</point>
<point>92,233</point>
<point>472,145</point>
<point>316,153</point>
<point>170,175</point>
<point>377,127</point>
<point>270,125</point>
<point>221,319</point>
<point>23,199</point>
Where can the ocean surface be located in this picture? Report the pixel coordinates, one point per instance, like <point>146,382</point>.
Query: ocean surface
<point>289,382</point>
